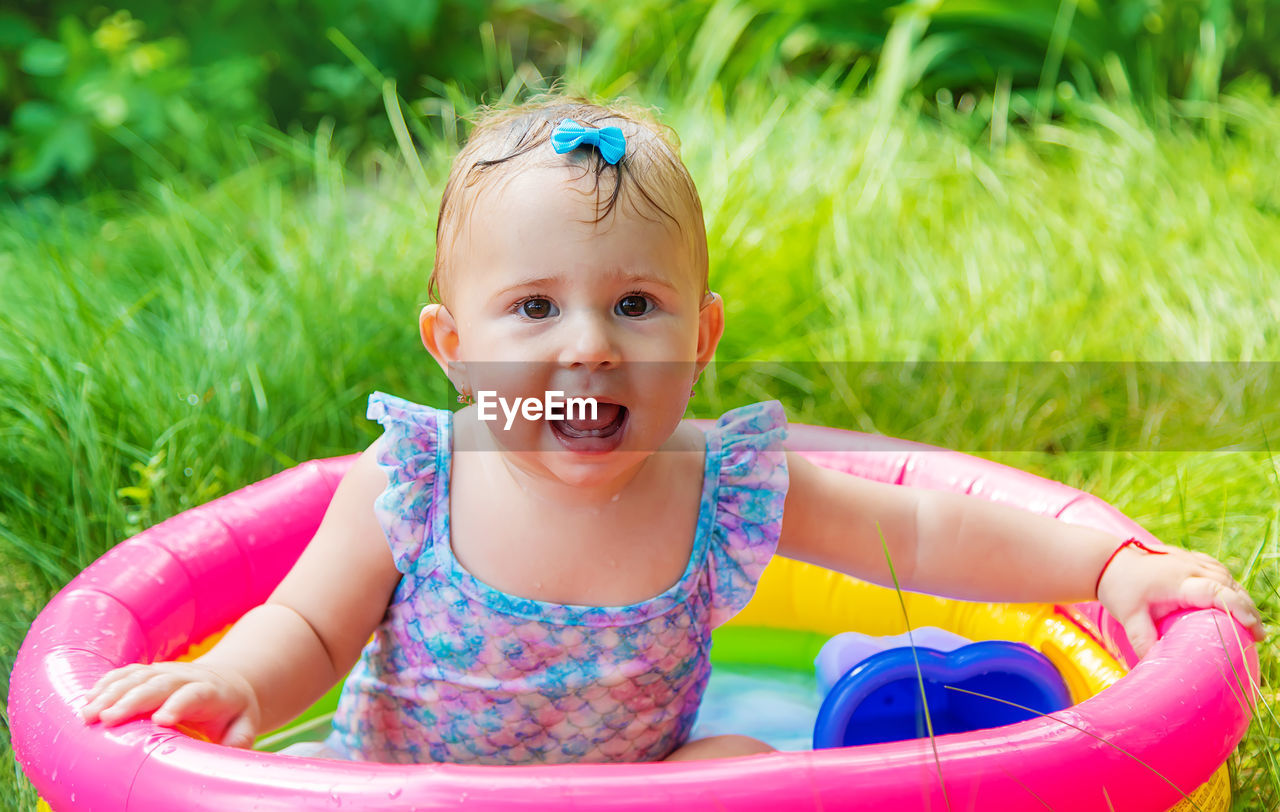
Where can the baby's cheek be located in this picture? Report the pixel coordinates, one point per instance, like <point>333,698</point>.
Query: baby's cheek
<point>509,379</point>
<point>669,377</point>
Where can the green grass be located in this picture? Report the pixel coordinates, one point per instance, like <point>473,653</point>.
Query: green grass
<point>161,348</point>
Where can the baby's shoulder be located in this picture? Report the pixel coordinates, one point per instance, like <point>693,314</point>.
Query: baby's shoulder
<point>690,435</point>
<point>402,416</point>
<point>766,417</point>
<point>746,449</point>
<point>416,439</point>
<point>763,418</point>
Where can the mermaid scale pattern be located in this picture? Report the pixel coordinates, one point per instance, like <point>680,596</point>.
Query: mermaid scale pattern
<point>462,672</point>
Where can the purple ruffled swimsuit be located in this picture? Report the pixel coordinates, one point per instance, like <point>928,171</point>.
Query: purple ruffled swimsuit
<point>461,672</point>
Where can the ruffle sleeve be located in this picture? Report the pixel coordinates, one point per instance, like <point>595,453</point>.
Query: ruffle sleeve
<point>750,495</point>
<point>413,448</point>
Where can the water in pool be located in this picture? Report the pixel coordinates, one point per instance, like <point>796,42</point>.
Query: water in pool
<point>778,706</point>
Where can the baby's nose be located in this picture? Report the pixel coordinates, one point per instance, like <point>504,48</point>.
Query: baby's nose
<point>590,342</point>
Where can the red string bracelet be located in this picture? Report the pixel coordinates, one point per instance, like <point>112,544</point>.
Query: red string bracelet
<point>1116,552</point>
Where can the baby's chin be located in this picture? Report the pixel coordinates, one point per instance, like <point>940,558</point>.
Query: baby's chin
<point>599,472</point>
<point>584,474</point>
<point>593,459</point>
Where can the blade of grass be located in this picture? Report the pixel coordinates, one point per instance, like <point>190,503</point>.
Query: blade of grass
<point>1053,60</point>
<point>924,700</point>
<point>304,728</point>
<point>391,100</point>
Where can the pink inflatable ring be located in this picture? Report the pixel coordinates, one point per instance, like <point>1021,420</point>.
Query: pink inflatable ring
<point>1143,744</point>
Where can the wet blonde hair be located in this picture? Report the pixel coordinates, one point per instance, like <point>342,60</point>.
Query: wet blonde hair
<point>650,180</point>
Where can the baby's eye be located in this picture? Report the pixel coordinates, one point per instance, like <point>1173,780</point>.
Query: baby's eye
<point>537,308</point>
<point>633,304</point>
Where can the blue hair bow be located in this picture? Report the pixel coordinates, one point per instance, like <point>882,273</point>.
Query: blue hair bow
<point>569,135</point>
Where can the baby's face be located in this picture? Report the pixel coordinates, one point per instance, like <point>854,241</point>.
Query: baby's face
<point>546,300</point>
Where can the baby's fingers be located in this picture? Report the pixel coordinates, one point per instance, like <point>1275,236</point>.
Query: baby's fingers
<point>223,714</point>
<point>186,702</point>
<point>1140,630</point>
<point>1230,597</point>
<point>111,687</point>
<point>198,702</point>
<point>240,733</point>
<point>142,698</point>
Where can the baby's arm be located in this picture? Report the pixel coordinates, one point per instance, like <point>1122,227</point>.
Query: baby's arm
<point>962,547</point>
<point>280,656</point>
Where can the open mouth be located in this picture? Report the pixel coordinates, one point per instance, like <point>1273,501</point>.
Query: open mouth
<point>597,434</point>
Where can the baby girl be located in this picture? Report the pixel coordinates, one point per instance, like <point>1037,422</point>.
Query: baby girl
<point>532,584</point>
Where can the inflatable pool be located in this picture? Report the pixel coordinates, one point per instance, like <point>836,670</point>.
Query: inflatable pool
<point>1148,735</point>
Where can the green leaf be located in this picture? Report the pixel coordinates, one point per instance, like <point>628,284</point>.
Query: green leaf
<point>32,169</point>
<point>36,117</point>
<point>74,144</point>
<point>15,31</point>
<point>43,57</point>
<point>69,146</point>
<point>140,495</point>
<point>341,81</point>
<point>416,16</point>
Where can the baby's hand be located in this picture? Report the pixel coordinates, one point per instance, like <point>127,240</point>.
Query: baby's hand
<point>223,705</point>
<point>1138,586</point>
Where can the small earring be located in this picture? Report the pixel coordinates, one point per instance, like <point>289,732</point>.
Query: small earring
<point>464,397</point>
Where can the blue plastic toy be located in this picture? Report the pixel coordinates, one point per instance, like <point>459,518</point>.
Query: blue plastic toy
<point>873,688</point>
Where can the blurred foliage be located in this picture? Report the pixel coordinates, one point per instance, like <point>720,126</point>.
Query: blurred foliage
<point>80,95</point>
<point>98,96</point>
<point>1183,49</point>
<point>126,93</point>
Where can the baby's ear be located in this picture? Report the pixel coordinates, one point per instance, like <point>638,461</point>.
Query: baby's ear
<point>439,334</point>
<point>710,328</point>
